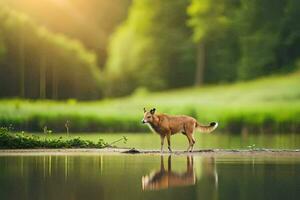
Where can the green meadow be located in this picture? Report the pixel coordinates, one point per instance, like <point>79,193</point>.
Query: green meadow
<point>263,105</point>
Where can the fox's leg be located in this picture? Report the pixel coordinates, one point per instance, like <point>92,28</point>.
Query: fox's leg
<point>189,129</point>
<point>162,137</point>
<point>193,142</point>
<point>189,142</point>
<point>169,142</point>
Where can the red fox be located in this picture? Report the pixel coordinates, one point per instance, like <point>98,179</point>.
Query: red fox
<point>167,125</point>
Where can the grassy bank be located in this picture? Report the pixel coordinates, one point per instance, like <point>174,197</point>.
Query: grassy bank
<point>266,105</point>
<point>21,141</point>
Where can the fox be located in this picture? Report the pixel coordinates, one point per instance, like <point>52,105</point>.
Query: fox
<point>166,125</point>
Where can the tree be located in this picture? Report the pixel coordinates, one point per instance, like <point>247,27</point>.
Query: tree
<point>2,56</point>
<point>90,22</point>
<point>214,35</point>
<point>289,34</point>
<point>152,48</point>
<point>45,64</point>
<point>259,23</point>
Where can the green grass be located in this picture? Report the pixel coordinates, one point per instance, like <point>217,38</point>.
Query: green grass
<point>23,141</point>
<point>269,104</point>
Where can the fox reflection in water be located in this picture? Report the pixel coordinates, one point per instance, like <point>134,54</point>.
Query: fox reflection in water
<point>163,179</point>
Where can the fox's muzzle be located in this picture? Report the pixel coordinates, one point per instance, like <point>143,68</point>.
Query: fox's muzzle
<point>143,121</point>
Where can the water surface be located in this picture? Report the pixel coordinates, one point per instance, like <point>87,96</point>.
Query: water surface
<point>203,141</point>
<point>117,177</point>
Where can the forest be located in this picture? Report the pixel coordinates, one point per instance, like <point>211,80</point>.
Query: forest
<point>112,49</point>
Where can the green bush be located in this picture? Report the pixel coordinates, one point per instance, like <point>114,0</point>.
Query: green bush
<point>21,141</point>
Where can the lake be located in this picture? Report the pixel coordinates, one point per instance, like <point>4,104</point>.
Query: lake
<point>203,141</point>
<point>114,177</point>
<point>118,176</point>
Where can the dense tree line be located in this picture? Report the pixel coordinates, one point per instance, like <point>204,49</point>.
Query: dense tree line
<point>36,63</point>
<point>233,40</point>
<point>90,21</point>
<point>152,49</point>
<point>162,44</point>
<point>269,36</point>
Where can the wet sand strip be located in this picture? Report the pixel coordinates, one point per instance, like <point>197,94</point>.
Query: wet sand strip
<point>133,151</point>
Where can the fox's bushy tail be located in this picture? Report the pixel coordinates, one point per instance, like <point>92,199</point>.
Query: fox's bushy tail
<point>207,128</point>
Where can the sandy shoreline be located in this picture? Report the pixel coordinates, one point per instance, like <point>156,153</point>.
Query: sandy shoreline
<point>122,151</point>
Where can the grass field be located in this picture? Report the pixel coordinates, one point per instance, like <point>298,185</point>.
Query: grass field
<point>270,104</point>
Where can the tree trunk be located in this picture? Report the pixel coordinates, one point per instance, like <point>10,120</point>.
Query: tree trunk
<point>200,62</point>
<point>54,82</point>
<point>43,77</point>
<point>22,64</point>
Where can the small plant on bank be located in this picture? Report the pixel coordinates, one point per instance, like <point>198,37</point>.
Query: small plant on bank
<point>124,139</point>
<point>46,131</point>
<point>253,147</point>
<point>67,126</point>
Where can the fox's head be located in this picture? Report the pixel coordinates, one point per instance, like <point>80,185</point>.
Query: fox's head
<point>148,116</point>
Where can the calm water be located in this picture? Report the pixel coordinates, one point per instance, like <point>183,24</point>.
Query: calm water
<point>117,177</point>
<point>215,140</point>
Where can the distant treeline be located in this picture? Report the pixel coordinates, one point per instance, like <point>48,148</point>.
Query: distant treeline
<point>36,63</point>
<point>90,21</point>
<point>232,40</point>
<point>162,44</point>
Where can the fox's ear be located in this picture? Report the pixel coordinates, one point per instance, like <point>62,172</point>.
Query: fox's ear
<point>145,110</point>
<point>152,111</point>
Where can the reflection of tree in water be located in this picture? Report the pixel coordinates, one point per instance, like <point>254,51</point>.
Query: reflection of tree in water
<point>163,178</point>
